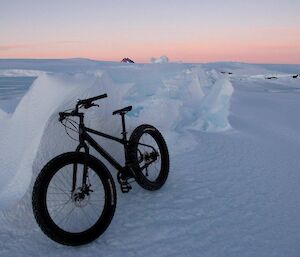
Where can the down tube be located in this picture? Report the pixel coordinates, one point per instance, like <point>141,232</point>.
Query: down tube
<point>101,151</point>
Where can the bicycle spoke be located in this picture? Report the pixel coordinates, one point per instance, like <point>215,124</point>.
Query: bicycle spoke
<point>75,211</point>
<point>66,216</point>
<point>154,167</point>
<point>59,210</point>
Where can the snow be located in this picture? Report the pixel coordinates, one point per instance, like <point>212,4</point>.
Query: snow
<point>20,73</point>
<point>3,115</point>
<point>234,141</point>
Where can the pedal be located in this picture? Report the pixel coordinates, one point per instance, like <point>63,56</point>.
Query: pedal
<point>125,187</point>
<point>123,181</point>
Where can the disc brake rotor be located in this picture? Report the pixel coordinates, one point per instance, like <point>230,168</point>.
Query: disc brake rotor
<point>79,198</point>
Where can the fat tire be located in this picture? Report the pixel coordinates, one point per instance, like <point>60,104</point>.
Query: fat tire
<point>40,207</point>
<point>133,151</point>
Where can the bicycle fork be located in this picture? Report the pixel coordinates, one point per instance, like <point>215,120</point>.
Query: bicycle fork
<point>85,186</point>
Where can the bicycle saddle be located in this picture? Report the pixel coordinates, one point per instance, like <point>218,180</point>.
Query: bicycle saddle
<point>123,110</point>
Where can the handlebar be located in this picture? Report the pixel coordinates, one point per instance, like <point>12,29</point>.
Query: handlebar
<point>90,100</point>
<point>85,103</point>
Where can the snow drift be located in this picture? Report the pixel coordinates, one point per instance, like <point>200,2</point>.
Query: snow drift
<point>175,98</point>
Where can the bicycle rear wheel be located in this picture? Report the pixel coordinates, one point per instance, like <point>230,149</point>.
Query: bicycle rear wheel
<point>149,153</point>
<point>74,213</point>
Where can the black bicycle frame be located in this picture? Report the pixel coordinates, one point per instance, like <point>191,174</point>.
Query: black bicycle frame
<point>85,137</point>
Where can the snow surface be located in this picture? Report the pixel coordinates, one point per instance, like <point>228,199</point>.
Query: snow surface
<point>20,73</point>
<point>233,188</point>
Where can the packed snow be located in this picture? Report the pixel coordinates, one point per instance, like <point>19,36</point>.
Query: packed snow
<point>233,137</point>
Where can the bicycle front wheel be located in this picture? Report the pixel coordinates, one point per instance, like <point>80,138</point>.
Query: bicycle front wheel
<point>74,198</point>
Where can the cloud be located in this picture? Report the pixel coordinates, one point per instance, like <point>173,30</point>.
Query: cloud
<point>4,48</point>
<point>13,47</point>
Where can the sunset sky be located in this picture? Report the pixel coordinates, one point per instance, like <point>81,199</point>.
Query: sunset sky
<point>265,31</point>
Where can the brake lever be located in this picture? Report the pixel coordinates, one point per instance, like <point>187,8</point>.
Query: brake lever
<point>89,105</point>
<point>61,117</point>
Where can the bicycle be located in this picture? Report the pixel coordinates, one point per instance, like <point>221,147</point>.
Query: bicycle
<point>74,196</point>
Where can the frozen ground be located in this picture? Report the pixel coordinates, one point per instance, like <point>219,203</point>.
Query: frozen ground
<point>233,188</point>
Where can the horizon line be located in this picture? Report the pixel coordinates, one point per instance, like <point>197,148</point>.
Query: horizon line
<point>170,62</point>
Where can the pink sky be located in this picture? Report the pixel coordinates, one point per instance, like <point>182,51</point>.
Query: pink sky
<point>262,31</point>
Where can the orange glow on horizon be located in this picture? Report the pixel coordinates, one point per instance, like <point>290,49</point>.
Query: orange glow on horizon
<point>198,51</point>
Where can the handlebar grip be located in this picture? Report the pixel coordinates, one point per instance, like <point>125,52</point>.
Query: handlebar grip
<point>63,115</point>
<point>98,97</point>
<point>89,100</point>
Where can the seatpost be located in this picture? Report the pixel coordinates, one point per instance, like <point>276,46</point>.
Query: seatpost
<point>123,127</point>
<point>124,134</point>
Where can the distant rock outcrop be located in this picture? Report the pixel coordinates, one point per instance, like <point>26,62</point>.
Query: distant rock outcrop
<point>226,72</point>
<point>127,60</point>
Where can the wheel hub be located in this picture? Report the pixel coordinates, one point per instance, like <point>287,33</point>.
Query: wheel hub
<point>80,198</point>
<point>150,157</point>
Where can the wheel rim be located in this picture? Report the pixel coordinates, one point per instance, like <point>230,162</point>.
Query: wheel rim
<point>145,154</point>
<point>76,211</point>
